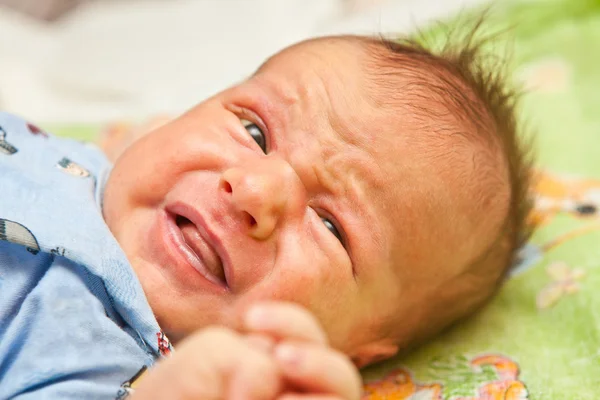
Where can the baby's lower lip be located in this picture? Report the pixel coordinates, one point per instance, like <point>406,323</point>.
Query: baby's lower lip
<point>179,256</point>
<point>204,257</point>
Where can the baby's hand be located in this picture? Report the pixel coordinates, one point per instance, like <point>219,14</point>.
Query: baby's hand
<point>310,368</point>
<point>283,356</point>
<point>215,363</point>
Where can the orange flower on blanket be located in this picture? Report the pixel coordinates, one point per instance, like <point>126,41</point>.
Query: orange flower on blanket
<point>564,281</point>
<point>399,384</point>
<point>507,387</point>
<point>557,195</point>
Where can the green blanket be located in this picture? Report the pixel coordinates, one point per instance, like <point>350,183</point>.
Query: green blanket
<point>539,338</point>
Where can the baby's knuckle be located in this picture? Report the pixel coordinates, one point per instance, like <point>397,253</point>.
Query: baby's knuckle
<point>262,364</point>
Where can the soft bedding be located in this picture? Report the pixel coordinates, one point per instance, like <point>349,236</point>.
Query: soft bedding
<point>540,337</point>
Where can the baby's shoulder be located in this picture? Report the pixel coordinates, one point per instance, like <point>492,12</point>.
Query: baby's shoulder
<point>17,132</point>
<point>27,147</point>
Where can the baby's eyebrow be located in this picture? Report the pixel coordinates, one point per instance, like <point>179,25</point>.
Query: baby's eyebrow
<point>361,222</point>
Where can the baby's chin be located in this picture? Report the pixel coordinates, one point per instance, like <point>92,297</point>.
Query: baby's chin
<point>180,312</point>
<point>181,309</point>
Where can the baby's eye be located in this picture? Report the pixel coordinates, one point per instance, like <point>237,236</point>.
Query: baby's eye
<point>329,225</point>
<point>256,133</point>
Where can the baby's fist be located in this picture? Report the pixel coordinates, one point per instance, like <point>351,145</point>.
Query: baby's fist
<point>215,363</point>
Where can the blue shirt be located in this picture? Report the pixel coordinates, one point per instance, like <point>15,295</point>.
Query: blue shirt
<point>74,321</point>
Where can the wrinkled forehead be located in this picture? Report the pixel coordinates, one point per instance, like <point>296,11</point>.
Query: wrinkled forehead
<point>327,73</point>
<point>328,82</point>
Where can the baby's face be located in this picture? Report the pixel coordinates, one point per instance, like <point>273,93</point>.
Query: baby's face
<point>293,185</point>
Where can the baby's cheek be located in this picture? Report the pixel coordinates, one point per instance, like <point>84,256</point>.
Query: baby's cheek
<point>290,281</point>
<point>318,284</point>
<point>295,285</point>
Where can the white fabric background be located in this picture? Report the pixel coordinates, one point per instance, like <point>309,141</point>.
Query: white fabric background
<point>128,59</point>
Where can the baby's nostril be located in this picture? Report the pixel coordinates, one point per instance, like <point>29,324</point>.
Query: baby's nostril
<point>227,186</point>
<point>251,220</point>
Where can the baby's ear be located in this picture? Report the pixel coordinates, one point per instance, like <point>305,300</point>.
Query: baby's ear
<point>374,352</point>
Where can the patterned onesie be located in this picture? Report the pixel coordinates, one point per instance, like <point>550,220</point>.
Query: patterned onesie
<point>74,321</point>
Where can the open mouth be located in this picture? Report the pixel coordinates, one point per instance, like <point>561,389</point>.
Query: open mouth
<point>199,253</point>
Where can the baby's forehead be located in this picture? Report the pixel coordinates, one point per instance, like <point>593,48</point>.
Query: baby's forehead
<point>324,50</point>
<point>348,80</point>
<point>362,76</point>
<point>331,76</point>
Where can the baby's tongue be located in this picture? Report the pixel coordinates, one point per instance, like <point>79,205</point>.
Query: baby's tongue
<point>199,246</point>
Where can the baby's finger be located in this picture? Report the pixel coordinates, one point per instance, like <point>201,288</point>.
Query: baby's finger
<point>260,342</point>
<point>245,372</point>
<point>318,370</point>
<point>284,321</point>
<point>251,379</point>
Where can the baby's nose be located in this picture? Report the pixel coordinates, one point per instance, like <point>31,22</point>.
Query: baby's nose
<point>262,193</point>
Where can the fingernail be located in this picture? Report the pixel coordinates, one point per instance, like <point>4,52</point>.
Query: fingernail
<point>257,317</point>
<point>289,355</point>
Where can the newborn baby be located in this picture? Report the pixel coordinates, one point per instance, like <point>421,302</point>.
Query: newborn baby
<point>377,185</point>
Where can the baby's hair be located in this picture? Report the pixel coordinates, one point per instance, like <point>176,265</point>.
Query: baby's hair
<point>474,86</point>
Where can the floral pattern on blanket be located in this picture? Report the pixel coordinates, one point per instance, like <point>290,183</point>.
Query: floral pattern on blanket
<point>485,377</point>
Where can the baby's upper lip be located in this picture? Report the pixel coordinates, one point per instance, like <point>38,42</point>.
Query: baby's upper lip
<point>208,234</point>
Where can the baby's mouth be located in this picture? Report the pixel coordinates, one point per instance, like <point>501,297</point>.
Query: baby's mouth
<point>204,258</point>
